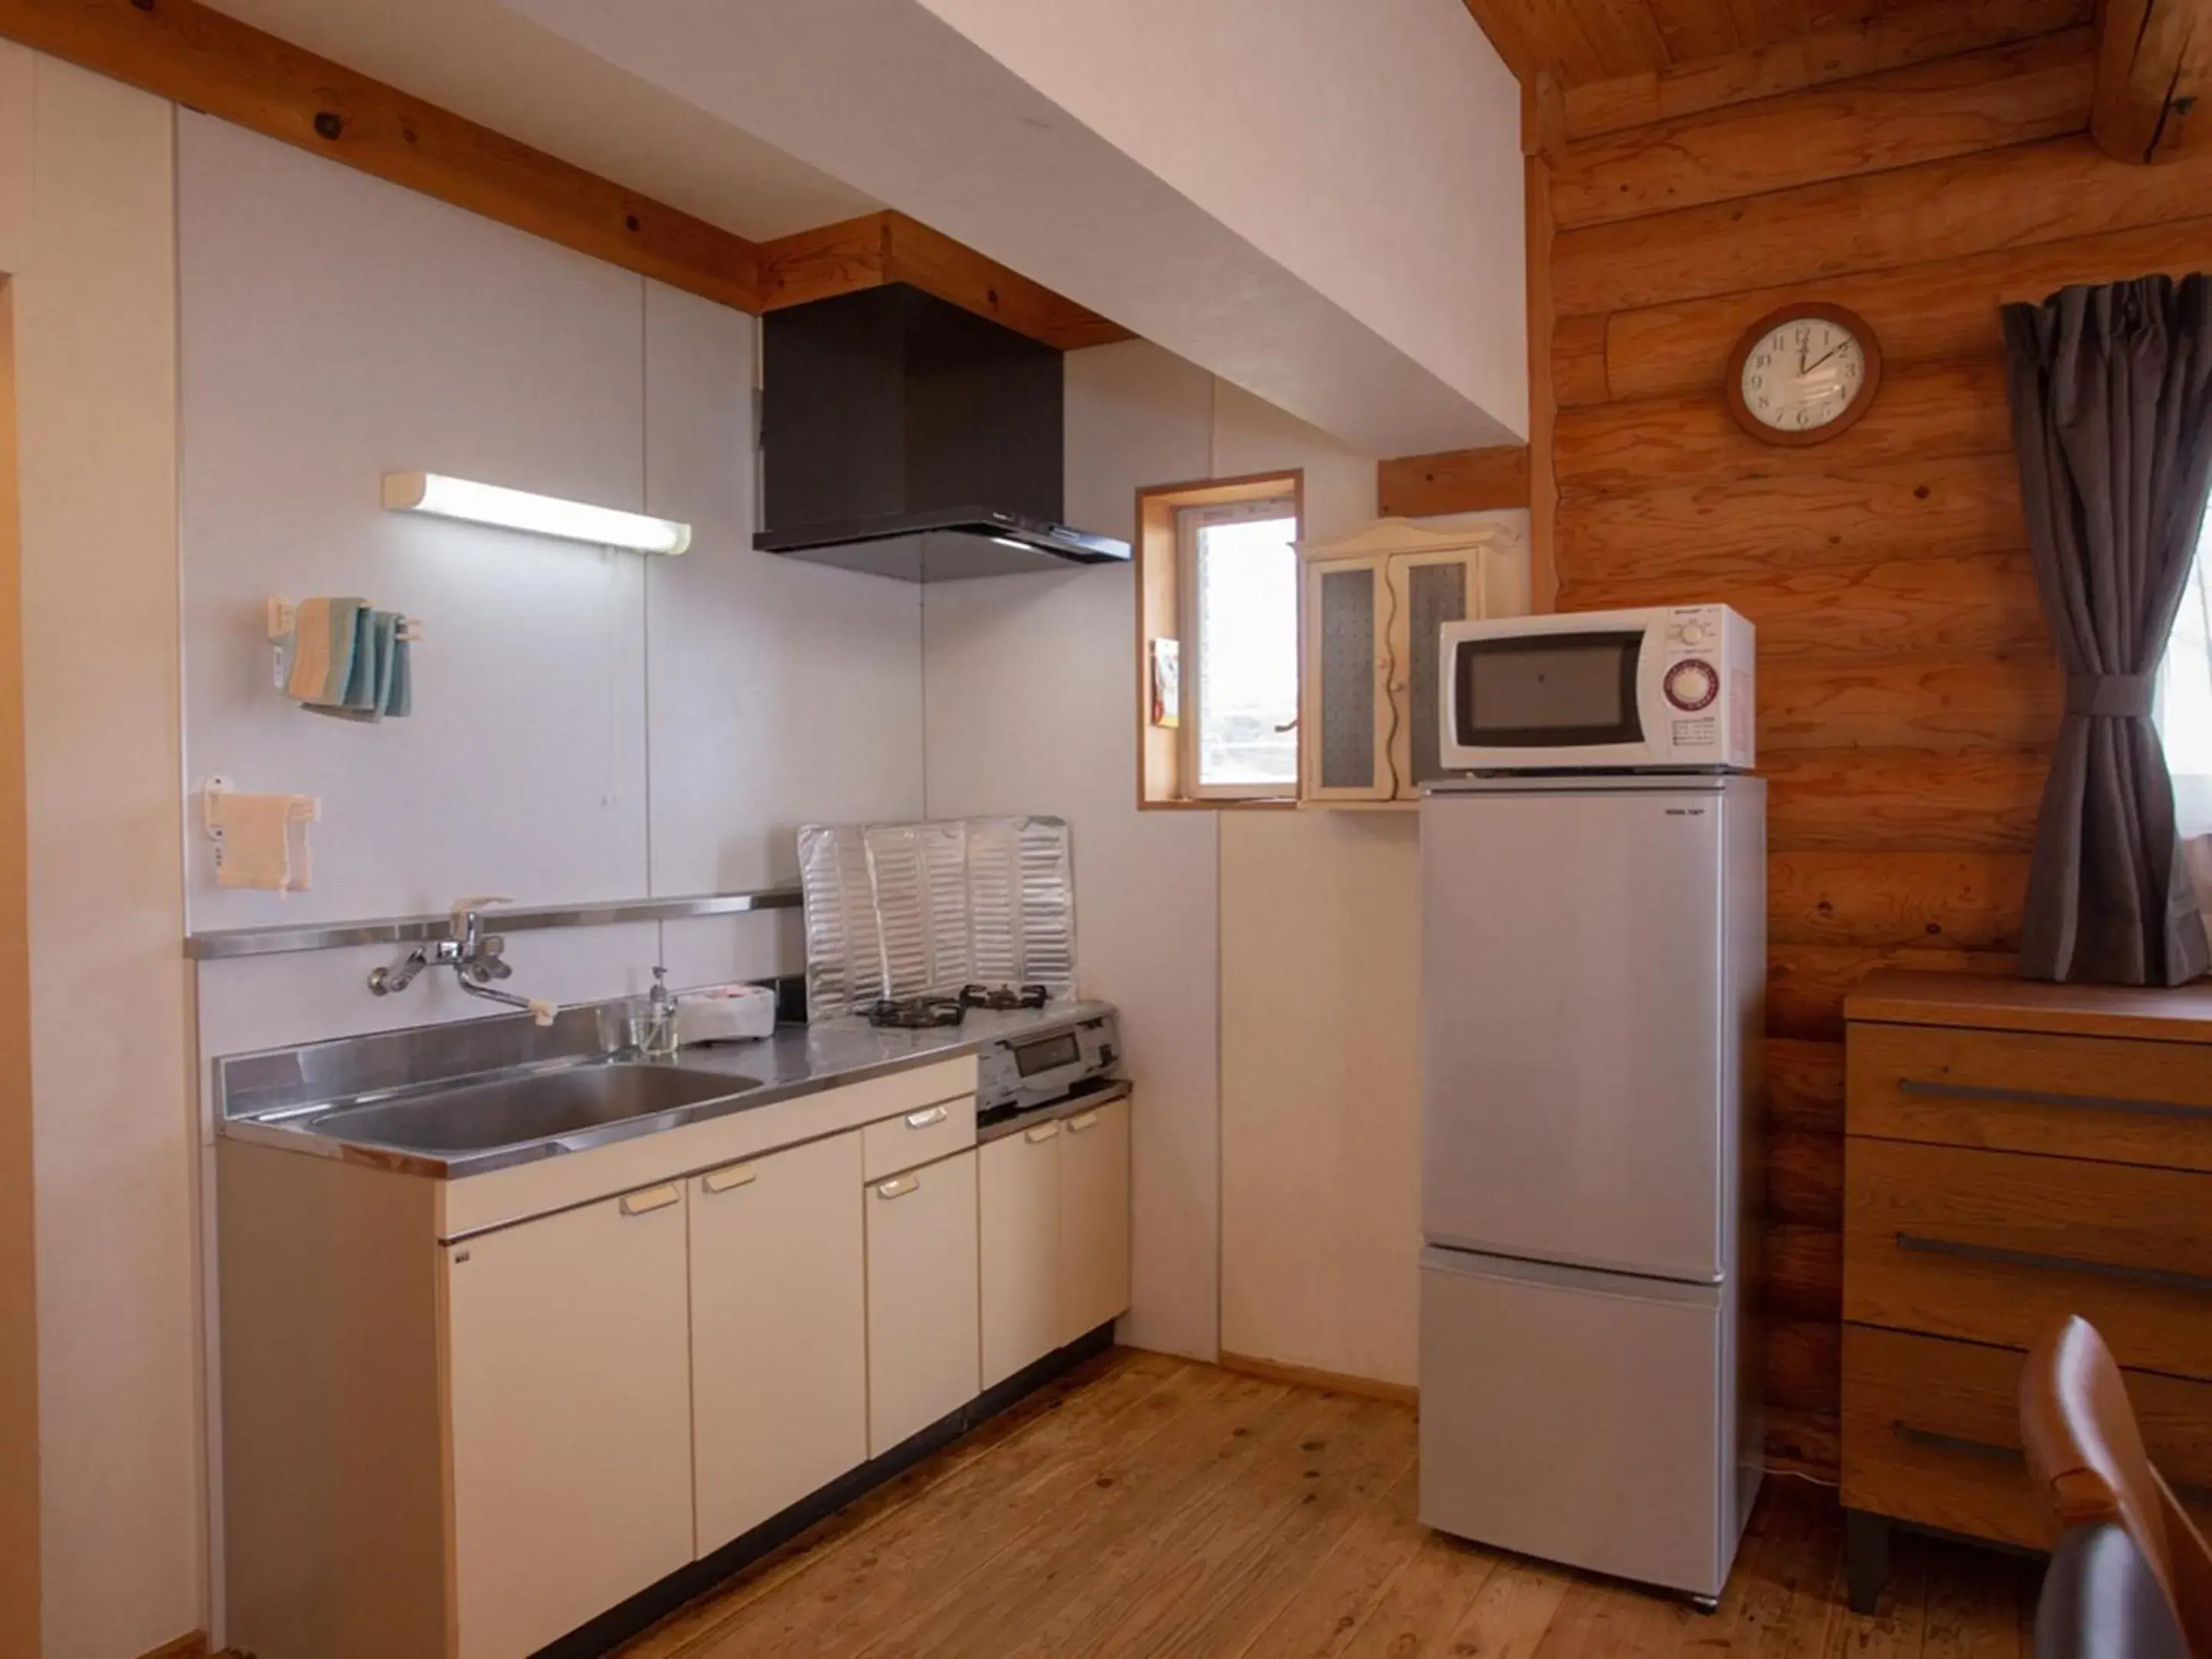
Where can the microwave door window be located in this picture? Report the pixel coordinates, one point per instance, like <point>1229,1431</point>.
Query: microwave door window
<point>1548,691</point>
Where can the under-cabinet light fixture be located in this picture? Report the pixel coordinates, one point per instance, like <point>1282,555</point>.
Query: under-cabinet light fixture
<point>521,509</point>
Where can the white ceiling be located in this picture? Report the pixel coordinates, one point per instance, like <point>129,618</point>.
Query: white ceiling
<point>478,59</point>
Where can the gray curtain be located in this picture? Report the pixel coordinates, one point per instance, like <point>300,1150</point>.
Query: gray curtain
<point>2111,410</point>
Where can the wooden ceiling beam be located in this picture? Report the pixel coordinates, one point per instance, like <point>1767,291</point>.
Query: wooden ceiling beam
<point>193,55</point>
<point>197,57</point>
<point>1457,480</point>
<point>2154,67</point>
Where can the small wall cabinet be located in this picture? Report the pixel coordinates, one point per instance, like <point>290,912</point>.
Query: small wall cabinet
<point>1371,669</point>
<point>1054,1204</point>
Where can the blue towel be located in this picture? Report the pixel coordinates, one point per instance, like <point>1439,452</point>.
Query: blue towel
<point>367,675</point>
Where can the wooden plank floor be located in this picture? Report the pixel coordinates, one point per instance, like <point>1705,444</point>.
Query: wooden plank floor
<point>1144,1505</point>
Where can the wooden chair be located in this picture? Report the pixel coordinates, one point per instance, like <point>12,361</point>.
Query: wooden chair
<point>2086,1456</point>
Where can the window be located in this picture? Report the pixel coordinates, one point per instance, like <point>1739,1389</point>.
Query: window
<point>1240,668</point>
<point>2182,707</point>
<point>1218,583</point>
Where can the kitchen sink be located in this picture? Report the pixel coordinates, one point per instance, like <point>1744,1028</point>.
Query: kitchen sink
<point>538,1106</point>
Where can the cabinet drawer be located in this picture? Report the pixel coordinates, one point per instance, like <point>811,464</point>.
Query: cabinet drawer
<point>1996,1246</point>
<point>918,1135</point>
<point>2071,1097</point>
<point>1931,1434</point>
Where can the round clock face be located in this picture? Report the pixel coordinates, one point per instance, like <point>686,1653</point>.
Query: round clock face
<point>1803,373</point>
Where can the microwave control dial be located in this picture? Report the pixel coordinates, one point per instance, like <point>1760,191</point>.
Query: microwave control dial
<point>1692,684</point>
<point>1693,634</point>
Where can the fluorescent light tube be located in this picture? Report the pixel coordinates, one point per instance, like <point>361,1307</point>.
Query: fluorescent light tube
<point>521,509</point>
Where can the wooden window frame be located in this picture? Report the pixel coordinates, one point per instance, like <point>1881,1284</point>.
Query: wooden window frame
<point>1165,767</point>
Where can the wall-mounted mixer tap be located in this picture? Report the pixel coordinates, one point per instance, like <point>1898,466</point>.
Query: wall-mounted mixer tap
<point>475,956</point>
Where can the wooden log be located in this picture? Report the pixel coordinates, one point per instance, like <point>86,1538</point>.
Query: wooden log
<point>1802,1271</point>
<point>1803,1364</point>
<point>1888,40</point>
<point>1806,984</point>
<point>1931,410</point>
<point>1942,704</point>
<point>1805,1178</point>
<point>1817,511</point>
<point>1804,1086</point>
<point>2154,66</point>
<point>2010,94</point>
<point>1457,480</point>
<point>198,56</point>
<point>1858,799</point>
<point>1919,313</point>
<point>1971,901</point>
<point>1969,604</point>
<point>2012,197</point>
<point>1578,347</point>
<point>1810,1443</point>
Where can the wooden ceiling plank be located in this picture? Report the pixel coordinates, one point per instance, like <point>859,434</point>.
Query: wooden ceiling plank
<point>2153,68</point>
<point>1920,35</point>
<point>1692,29</point>
<point>197,57</point>
<point>2011,94</point>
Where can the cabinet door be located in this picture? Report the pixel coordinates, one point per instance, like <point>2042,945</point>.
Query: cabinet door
<point>1427,590</point>
<point>1018,1179</point>
<point>570,1385</point>
<point>922,1313</point>
<point>1345,694</point>
<point>779,1333</point>
<point>1094,1218</point>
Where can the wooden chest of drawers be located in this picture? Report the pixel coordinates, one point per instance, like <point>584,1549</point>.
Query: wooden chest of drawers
<point>2015,1152</point>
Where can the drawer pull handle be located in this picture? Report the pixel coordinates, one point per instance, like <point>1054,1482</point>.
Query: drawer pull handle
<point>2071,1264</point>
<point>1043,1132</point>
<point>731,1175</point>
<point>1081,1122</point>
<point>2045,1097</point>
<point>652,1199</point>
<point>924,1118</point>
<point>1935,1441</point>
<point>897,1186</point>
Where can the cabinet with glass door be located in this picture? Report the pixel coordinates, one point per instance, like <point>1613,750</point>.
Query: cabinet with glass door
<point>1372,669</point>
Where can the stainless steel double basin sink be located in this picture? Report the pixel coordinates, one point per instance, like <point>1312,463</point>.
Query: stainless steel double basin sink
<point>564,1104</point>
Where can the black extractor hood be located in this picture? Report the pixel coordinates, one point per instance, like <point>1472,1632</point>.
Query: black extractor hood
<point>905,437</point>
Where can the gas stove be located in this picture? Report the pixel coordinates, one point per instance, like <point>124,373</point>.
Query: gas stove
<point>1004,996</point>
<point>917,1013</point>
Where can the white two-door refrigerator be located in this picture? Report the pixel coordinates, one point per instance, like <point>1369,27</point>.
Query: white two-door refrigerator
<point>1593,970</point>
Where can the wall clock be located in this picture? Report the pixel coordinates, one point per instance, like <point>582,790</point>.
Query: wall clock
<point>1803,373</point>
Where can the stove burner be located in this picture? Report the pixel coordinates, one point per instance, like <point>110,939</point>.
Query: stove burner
<point>917,1013</point>
<point>1003,996</point>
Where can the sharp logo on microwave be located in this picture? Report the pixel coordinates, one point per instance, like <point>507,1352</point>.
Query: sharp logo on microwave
<point>1686,811</point>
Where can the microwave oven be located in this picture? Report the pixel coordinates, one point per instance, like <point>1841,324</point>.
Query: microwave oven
<point>1663,689</point>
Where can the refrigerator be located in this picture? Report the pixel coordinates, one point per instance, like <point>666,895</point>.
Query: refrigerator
<point>1592,973</point>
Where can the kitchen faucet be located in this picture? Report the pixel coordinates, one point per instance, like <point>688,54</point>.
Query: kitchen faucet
<point>474,956</point>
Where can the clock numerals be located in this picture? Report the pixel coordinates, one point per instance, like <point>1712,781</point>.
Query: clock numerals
<point>1801,376</point>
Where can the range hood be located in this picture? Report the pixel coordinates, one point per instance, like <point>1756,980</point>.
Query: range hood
<point>906,437</point>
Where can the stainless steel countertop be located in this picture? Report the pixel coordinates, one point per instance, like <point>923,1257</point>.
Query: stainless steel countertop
<point>798,1060</point>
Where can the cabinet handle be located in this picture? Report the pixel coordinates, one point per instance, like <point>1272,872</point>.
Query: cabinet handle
<point>1083,1121</point>
<point>652,1199</point>
<point>924,1118</point>
<point>2044,1098</point>
<point>897,1186</point>
<point>1042,1131</point>
<point>729,1176</point>
<point>2072,1264</point>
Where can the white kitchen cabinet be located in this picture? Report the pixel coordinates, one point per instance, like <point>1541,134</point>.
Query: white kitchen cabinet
<point>1371,671</point>
<point>1094,1217</point>
<point>923,1336</point>
<point>778,1332</point>
<point>570,1387</point>
<point>1018,1182</point>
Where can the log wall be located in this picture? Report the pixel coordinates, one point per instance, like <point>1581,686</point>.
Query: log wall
<point>1909,692</point>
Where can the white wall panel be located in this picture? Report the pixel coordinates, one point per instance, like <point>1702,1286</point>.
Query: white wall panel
<point>1031,686</point>
<point>335,327</point>
<point>96,319</point>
